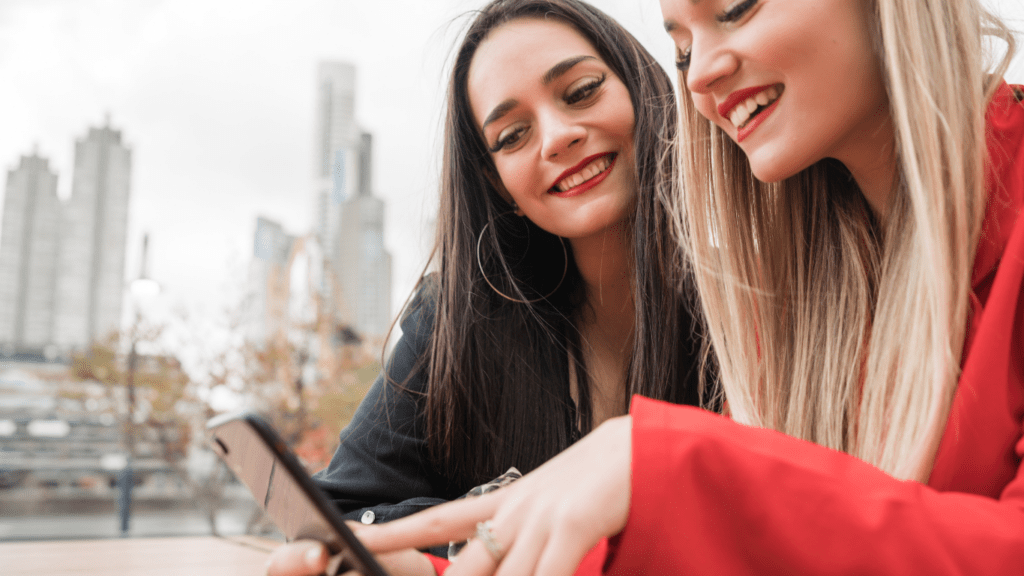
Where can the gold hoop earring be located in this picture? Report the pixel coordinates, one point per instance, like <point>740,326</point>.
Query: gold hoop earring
<point>480,265</point>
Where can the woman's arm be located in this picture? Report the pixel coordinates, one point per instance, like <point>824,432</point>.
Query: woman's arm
<point>713,496</point>
<point>545,522</point>
<point>381,469</point>
<point>310,558</point>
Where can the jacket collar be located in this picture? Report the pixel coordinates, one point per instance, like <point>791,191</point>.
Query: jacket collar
<point>1004,178</point>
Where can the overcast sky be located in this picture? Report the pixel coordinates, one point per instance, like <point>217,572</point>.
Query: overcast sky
<point>215,98</point>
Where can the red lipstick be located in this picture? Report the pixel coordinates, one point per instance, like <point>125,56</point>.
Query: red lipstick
<point>575,191</point>
<point>739,96</point>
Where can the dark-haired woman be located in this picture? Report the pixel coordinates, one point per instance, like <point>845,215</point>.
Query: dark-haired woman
<point>557,292</point>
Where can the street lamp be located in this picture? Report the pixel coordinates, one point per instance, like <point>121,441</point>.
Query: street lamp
<point>142,288</point>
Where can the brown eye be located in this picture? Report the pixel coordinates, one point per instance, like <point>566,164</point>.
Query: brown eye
<point>583,92</point>
<point>507,140</point>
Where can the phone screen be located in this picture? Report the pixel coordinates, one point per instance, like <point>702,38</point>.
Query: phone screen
<point>262,461</point>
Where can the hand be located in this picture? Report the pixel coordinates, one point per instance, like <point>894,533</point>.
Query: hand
<point>309,558</point>
<point>544,523</point>
<point>299,558</point>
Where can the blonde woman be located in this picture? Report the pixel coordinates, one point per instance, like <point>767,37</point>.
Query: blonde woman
<point>854,186</point>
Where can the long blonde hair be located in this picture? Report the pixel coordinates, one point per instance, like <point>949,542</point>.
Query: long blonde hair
<point>827,324</point>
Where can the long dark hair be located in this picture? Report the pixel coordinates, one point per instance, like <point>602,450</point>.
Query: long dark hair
<point>498,370</point>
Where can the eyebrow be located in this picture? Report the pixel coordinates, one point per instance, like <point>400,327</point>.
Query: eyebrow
<point>563,67</point>
<point>550,76</point>
<point>499,111</point>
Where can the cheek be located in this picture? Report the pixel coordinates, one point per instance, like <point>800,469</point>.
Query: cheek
<point>515,176</point>
<point>620,119</point>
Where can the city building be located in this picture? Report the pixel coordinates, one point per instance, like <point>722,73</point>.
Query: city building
<point>62,263</point>
<point>28,258</point>
<point>363,266</point>
<point>349,220</point>
<point>269,282</point>
<point>94,227</point>
<point>336,145</point>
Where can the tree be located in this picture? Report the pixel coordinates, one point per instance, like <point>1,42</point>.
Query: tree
<point>309,415</point>
<point>166,410</point>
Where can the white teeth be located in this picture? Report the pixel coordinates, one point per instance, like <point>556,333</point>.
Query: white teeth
<point>743,111</point>
<point>588,172</point>
<point>740,115</point>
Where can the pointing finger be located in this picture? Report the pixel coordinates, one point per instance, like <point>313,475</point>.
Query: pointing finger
<point>438,525</point>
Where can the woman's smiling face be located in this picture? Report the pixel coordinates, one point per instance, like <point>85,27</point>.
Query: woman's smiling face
<point>558,123</point>
<point>791,81</point>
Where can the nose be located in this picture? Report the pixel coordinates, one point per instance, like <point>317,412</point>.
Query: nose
<point>561,133</point>
<point>709,63</point>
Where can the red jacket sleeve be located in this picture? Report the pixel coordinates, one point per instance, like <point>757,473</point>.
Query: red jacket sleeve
<point>710,496</point>
<point>440,564</point>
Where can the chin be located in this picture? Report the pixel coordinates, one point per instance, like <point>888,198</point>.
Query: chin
<point>774,169</point>
<point>767,175</point>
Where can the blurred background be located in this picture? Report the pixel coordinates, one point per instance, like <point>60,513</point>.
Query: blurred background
<point>209,205</point>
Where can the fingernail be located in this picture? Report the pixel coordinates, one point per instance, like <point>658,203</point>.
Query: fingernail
<point>314,556</point>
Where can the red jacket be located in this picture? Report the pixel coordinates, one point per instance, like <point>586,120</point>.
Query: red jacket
<point>710,496</point>
<point>714,497</point>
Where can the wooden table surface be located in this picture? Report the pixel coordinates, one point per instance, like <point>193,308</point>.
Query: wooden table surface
<point>190,556</point>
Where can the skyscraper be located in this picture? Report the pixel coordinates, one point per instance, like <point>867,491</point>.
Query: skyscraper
<point>269,282</point>
<point>94,226</point>
<point>350,221</point>
<point>363,266</point>
<point>28,257</point>
<point>336,146</point>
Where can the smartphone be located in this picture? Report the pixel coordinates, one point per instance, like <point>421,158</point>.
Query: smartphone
<point>281,486</point>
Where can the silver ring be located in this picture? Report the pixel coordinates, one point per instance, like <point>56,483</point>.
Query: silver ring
<point>486,537</point>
